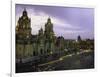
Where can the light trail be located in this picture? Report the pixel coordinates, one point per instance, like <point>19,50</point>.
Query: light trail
<point>63,57</point>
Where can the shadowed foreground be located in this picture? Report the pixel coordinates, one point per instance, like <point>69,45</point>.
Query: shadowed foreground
<point>75,61</point>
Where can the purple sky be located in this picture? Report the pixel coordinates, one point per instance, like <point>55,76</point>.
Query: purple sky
<point>68,22</point>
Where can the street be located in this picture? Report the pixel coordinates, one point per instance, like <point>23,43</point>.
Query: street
<point>80,60</point>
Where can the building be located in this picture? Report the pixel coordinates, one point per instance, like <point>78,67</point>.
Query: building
<point>45,42</point>
<point>28,45</point>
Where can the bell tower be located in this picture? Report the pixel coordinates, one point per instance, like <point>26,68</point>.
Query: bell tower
<point>23,37</point>
<point>49,36</point>
<point>24,26</point>
<point>49,29</point>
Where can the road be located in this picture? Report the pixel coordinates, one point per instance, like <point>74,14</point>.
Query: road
<point>63,57</point>
<point>63,61</point>
<point>79,60</point>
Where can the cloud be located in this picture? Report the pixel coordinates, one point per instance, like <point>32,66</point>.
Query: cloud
<point>62,32</point>
<point>39,18</point>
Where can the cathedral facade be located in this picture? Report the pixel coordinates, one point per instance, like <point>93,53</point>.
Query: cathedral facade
<point>28,45</point>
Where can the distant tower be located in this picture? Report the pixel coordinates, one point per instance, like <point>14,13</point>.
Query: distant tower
<point>41,32</point>
<point>79,38</point>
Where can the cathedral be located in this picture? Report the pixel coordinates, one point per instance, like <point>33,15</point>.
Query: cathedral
<point>28,45</point>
